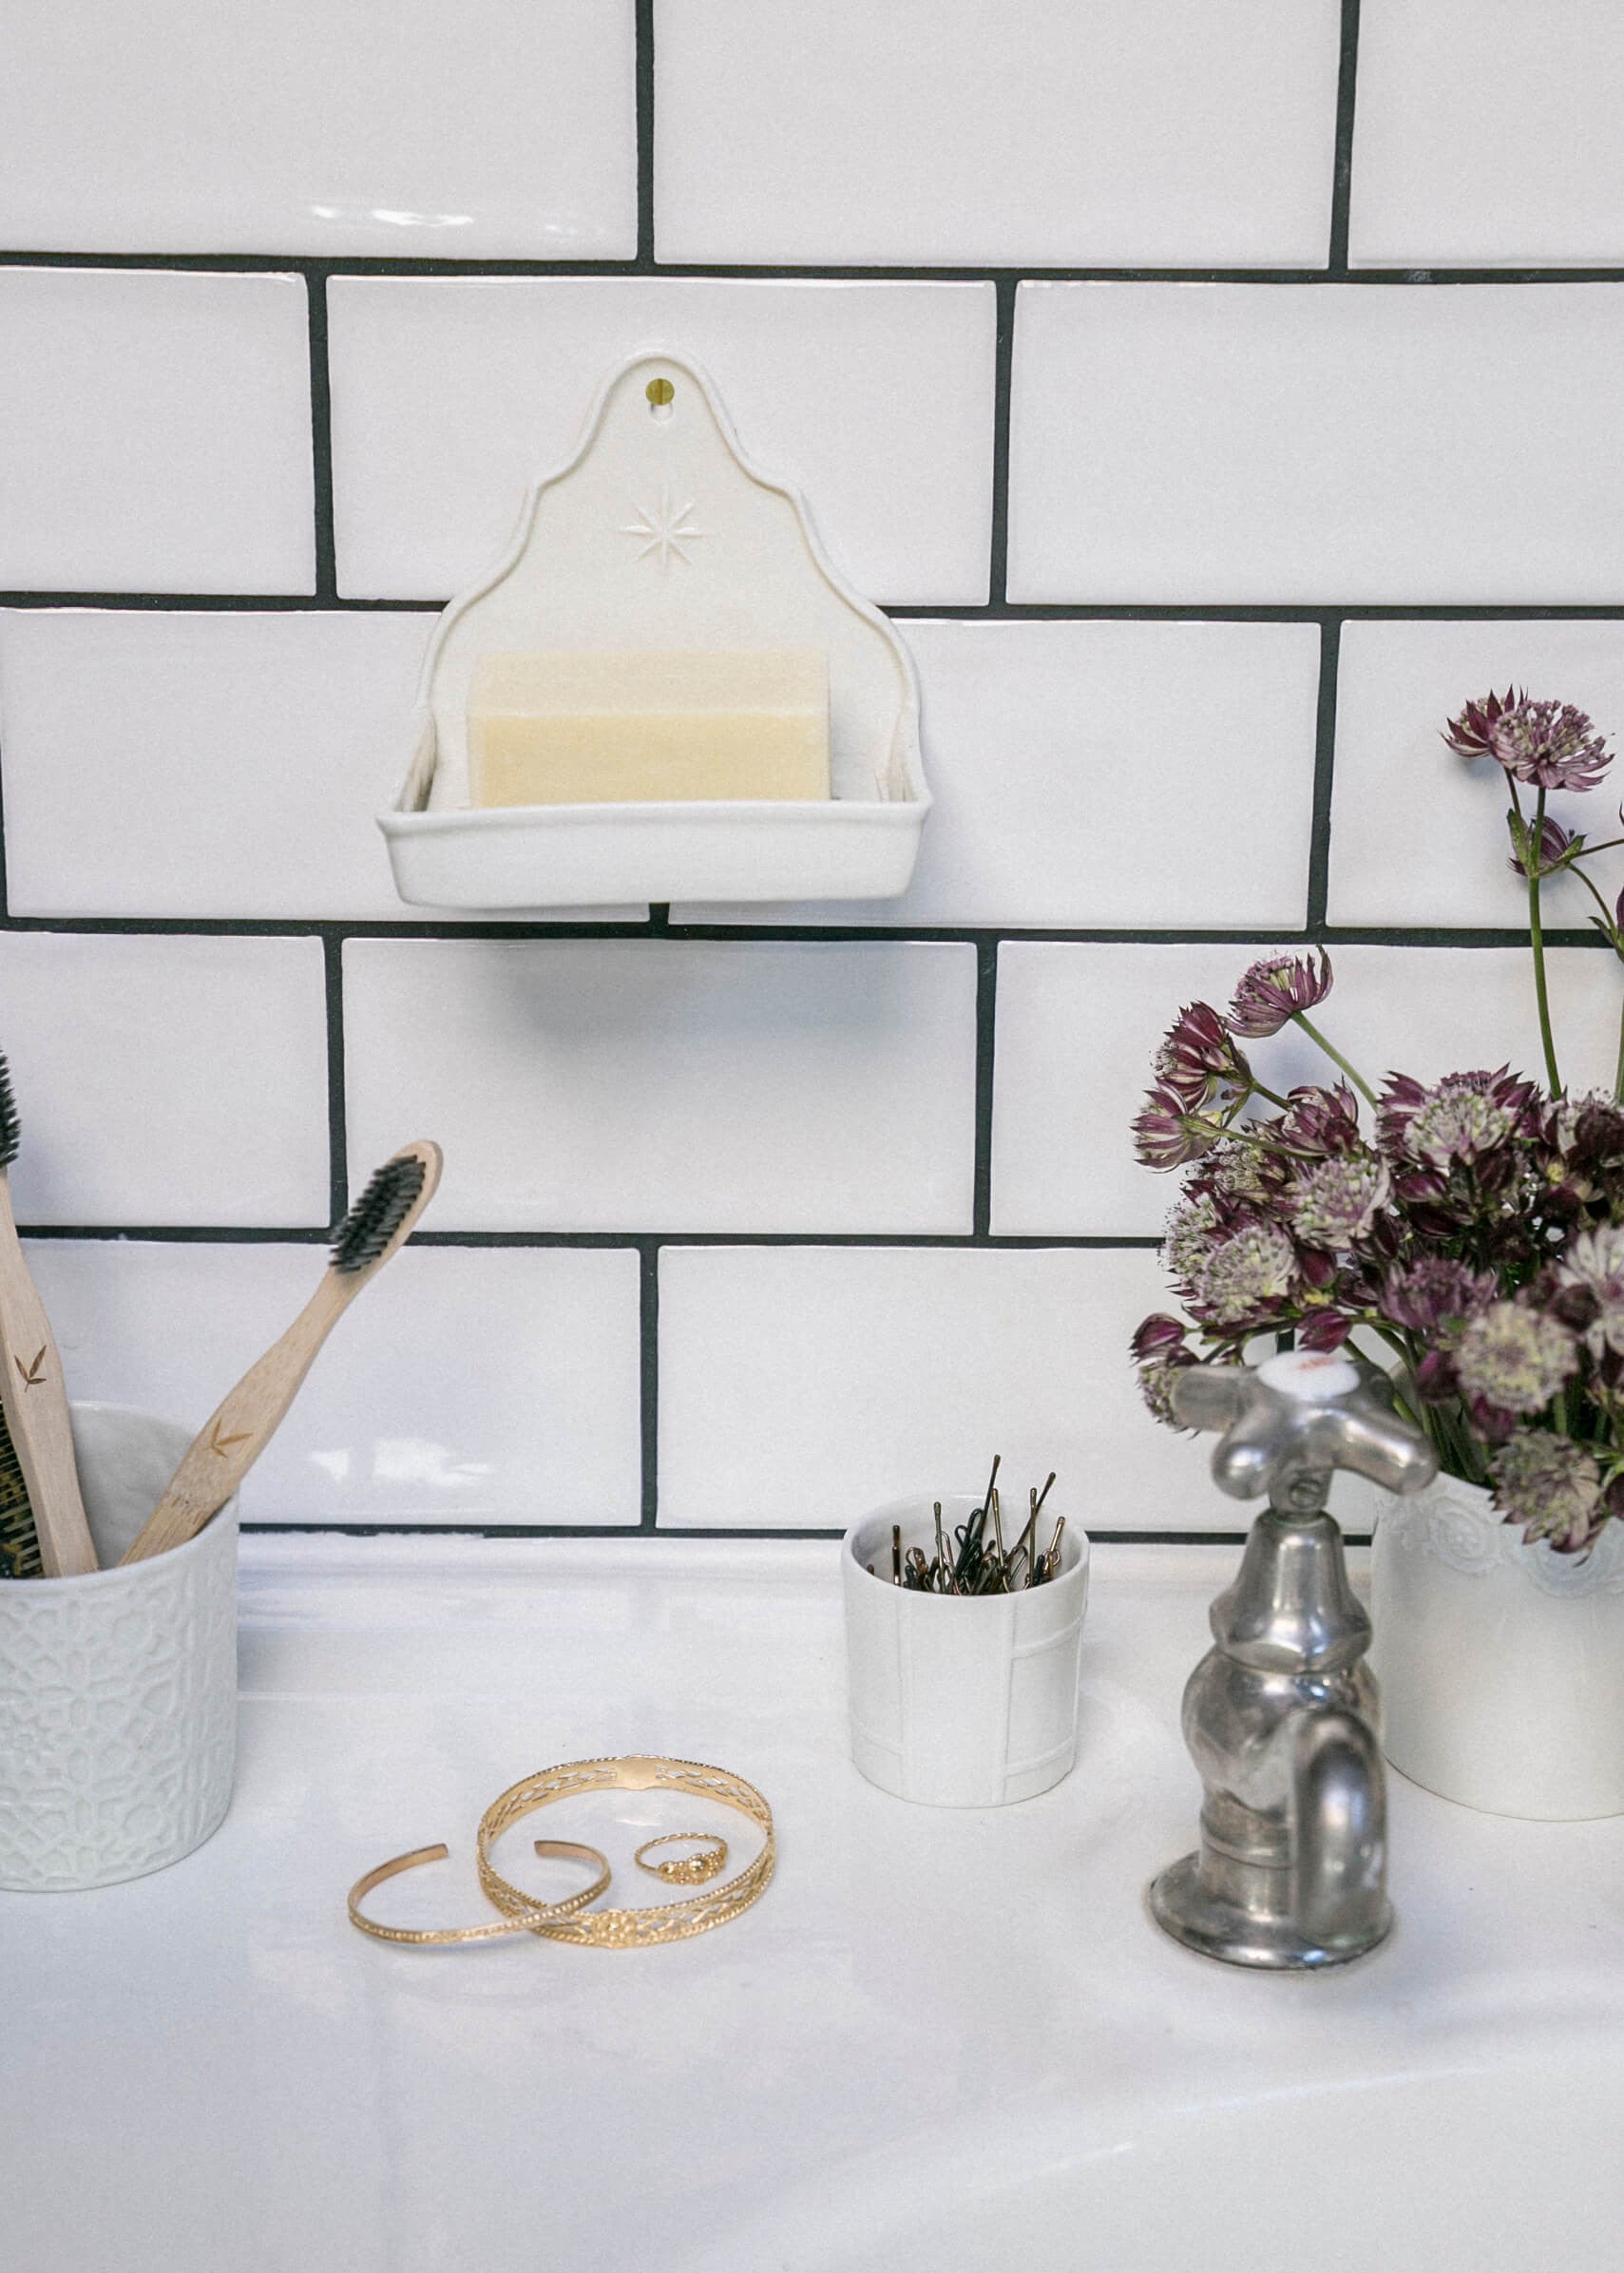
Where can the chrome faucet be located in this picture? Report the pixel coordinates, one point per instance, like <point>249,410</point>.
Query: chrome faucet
<point>1281,1716</point>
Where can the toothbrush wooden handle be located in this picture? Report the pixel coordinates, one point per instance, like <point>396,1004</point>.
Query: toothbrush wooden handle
<point>35,1405</point>
<point>242,1425</point>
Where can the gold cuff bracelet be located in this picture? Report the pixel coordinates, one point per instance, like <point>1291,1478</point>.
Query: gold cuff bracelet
<point>629,1929</point>
<point>526,1915</point>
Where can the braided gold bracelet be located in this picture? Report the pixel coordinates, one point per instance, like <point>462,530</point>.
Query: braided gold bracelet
<point>629,1929</point>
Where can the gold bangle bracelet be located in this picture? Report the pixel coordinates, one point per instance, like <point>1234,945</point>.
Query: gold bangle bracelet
<point>631,1929</point>
<point>525,1916</point>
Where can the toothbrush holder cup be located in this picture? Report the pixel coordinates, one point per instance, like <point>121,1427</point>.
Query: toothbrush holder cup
<point>118,1690</point>
<point>960,1701</point>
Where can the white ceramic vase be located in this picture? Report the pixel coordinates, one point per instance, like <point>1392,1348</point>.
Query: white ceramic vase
<point>960,1702</point>
<point>118,1690</point>
<point>1501,1665</point>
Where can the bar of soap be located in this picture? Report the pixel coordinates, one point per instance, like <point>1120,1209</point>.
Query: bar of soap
<point>591,729</point>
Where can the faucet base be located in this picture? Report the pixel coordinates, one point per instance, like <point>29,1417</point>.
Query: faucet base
<point>1185,1906</point>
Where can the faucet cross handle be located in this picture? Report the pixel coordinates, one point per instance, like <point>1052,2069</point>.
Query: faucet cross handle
<point>1283,1425</point>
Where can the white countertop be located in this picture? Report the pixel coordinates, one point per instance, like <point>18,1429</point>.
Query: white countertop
<point>941,2041</point>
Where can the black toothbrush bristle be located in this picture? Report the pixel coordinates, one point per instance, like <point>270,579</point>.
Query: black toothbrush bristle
<point>8,1129</point>
<point>376,1216</point>
<point>19,1541</point>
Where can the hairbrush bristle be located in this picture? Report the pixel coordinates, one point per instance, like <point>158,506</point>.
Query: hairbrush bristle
<point>376,1216</point>
<point>8,1129</point>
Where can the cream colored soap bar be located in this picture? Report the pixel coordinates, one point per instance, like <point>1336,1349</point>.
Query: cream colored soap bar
<point>616,728</point>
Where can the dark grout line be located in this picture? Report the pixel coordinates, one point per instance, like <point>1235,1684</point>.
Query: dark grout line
<point>808,272</point>
<point>694,1531</point>
<point>986,1034</point>
<point>1325,761</point>
<point>645,1243</point>
<point>644,20</point>
<point>944,611</point>
<point>338,1143</point>
<point>648,1379</point>
<point>321,441</point>
<point>1342,179</point>
<point>1004,366</point>
<point>333,934</point>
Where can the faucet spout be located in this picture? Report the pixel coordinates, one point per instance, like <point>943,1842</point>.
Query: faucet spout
<point>1337,1831</point>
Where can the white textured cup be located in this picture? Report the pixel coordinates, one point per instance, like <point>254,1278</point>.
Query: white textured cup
<point>960,1702</point>
<point>118,1691</point>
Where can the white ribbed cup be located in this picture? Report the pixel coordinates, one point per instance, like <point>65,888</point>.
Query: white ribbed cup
<point>118,1691</point>
<point>960,1702</point>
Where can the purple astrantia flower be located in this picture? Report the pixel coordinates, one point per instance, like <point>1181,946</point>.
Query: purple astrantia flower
<point>1321,1122</point>
<point>1555,843</point>
<point>1457,1122</point>
<point>1168,1132</point>
<point>1436,1298</point>
<point>1334,1202</point>
<point>1190,1230</point>
<point>1159,1353</point>
<point>1549,745</point>
<point>1196,1054</point>
<point>1594,1266</point>
<point>1246,1271</point>
<point>1552,1487</point>
<point>1238,1171</point>
<point>1275,989</point>
<point>1513,1359</point>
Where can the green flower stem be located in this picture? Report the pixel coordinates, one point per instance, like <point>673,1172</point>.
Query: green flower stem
<point>1261,1089</point>
<point>1609,929</point>
<point>1336,1057</point>
<point>1533,839</point>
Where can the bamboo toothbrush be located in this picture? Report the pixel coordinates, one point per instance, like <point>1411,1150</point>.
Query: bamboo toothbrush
<point>242,1426</point>
<point>31,1394</point>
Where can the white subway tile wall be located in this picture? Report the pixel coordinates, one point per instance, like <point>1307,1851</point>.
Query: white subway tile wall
<point>1184,442</point>
<point>1035,729</point>
<point>471,1386</point>
<point>378,126</point>
<point>155,432</point>
<point>1137,132</point>
<point>451,396</point>
<point>1216,391</point>
<point>1431,187</point>
<point>610,1086</point>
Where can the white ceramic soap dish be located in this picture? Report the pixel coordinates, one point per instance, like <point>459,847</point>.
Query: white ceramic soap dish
<point>658,534</point>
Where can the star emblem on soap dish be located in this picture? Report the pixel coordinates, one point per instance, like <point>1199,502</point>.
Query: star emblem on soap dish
<point>665,528</point>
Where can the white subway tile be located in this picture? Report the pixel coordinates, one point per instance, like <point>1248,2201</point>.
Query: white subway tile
<point>387,127</point>
<point>1427,1011</point>
<point>1078,1027</point>
<point>155,432</point>
<point>1486,134</point>
<point>451,396</point>
<point>657,1085</point>
<point>167,1080</point>
<point>802,1387</point>
<point>466,1386</point>
<point>1128,132</point>
<point>1418,835</point>
<point>1098,776</point>
<point>1195,443</point>
<point>178,764</point>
